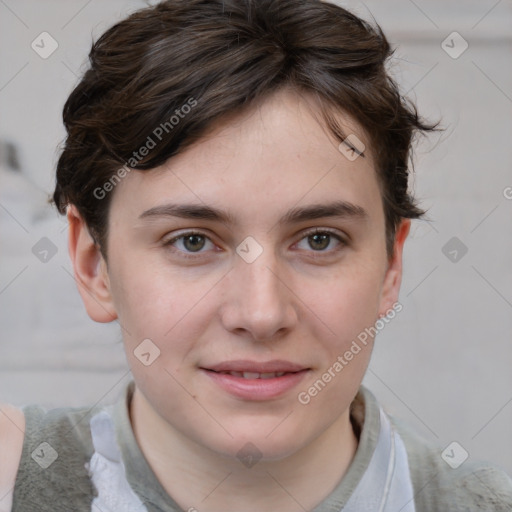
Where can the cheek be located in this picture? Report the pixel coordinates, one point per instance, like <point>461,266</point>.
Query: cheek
<point>349,308</point>
<point>348,304</point>
<point>161,306</point>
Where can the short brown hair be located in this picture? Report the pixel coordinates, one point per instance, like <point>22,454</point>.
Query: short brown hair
<point>227,55</point>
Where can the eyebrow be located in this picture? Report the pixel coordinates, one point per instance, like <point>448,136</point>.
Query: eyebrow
<point>340,209</point>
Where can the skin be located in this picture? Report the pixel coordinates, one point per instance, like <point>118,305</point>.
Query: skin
<point>295,302</point>
<point>12,428</point>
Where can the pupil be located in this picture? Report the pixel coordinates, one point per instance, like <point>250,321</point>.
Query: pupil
<point>319,241</point>
<point>194,242</point>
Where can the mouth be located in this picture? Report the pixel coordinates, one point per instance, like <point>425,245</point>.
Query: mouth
<point>251,380</point>
<point>255,375</point>
<point>243,366</point>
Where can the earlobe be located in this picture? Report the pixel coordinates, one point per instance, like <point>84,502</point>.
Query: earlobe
<point>393,277</point>
<point>90,269</point>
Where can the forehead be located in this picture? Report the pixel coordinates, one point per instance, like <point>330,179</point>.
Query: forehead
<point>279,154</point>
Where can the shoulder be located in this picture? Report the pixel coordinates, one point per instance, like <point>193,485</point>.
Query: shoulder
<point>55,450</point>
<point>472,485</point>
<point>12,433</point>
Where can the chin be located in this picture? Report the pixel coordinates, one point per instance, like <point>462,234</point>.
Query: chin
<point>253,445</point>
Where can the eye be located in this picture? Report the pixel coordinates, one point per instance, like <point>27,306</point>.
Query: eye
<point>190,242</point>
<point>320,240</point>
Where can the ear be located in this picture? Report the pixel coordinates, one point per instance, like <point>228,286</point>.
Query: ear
<point>90,269</point>
<point>393,277</point>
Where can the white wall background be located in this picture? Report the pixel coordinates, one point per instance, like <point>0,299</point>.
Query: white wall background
<point>445,363</point>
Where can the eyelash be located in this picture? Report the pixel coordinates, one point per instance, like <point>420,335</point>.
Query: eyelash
<point>190,255</point>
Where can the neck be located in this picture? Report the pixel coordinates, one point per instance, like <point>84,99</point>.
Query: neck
<point>198,478</point>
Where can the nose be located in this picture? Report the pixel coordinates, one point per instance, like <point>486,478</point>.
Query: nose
<point>258,301</point>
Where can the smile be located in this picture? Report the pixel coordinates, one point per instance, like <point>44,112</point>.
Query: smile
<point>253,381</point>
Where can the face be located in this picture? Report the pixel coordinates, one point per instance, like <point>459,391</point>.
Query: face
<point>252,261</point>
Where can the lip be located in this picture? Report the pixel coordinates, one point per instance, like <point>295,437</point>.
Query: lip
<point>242,365</point>
<point>256,389</point>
